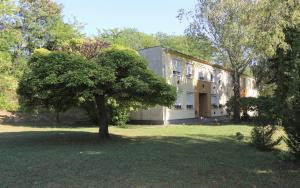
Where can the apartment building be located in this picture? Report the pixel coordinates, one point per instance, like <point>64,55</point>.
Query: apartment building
<point>202,88</point>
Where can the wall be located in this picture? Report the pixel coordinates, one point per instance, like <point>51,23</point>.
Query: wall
<point>183,85</point>
<point>154,59</point>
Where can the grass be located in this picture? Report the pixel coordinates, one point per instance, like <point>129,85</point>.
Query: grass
<point>138,156</point>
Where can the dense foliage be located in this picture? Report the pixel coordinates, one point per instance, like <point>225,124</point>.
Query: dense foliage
<point>262,137</point>
<point>287,92</point>
<point>133,83</point>
<point>134,39</point>
<point>57,80</point>
<point>60,80</point>
<point>264,115</point>
<point>24,26</point>
<point>263,109</point>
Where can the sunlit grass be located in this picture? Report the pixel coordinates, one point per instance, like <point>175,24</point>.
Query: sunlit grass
<point>138,156</point>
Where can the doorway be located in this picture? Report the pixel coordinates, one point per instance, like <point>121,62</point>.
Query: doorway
<point>203,105</point>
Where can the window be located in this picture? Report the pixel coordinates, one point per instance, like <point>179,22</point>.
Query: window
<point>178,102</point>
<point>189,100</point>
<point>177,67</point>
<point>201,75</point>
<point>189,70</point>
<point>214,101</point>
<point>212,79</point>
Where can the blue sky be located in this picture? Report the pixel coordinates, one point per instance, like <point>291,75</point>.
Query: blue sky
<point>149,16</point>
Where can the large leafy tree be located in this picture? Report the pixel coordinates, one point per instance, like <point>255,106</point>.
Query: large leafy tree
<point>9,37</point>
<point>192,46</point>
<point>42,25</point>
<point>128,37</point>
<point>242,31</point>
<point>134,39</point>
<point>58,80</point>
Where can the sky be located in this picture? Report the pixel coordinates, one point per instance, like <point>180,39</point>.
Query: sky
<point>149,16</point>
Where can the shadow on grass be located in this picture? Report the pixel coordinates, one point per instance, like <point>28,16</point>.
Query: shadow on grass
<point>81,159</point>
<point>50,125</point>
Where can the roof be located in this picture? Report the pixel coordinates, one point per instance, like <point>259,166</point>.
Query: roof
<point>170,50</point>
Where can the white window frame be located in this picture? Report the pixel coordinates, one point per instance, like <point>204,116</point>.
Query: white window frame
<point>178,104</point>
<point>190,100</point>
<point>201,74</point>
<point>189,69</point>
<point>177,66</point>
<point>214,103</point>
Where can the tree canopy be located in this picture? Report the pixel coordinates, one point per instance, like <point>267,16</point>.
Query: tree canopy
<point>58,80</point>
<point>134,39</point>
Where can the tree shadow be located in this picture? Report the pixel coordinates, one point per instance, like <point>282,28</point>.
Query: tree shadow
<point>82,159</point>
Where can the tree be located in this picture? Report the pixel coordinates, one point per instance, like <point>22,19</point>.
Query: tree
<point>58,80</point>
<point>196,47</point>
<point>128,37</point>
<point>134,39</point>
<point>286,68</point>
<point>42,25</point>
<point>242,31</point>
<point>87,47</point>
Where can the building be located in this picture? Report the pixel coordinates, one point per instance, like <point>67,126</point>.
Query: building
<point>202,88</point>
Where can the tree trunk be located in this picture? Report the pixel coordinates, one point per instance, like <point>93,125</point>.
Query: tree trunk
<point>102,112</point>
<point>236,97</point>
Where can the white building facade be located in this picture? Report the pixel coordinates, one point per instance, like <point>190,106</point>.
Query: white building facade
<point>202,88</point>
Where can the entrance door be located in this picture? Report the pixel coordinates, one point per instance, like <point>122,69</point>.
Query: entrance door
<point>203,104</point>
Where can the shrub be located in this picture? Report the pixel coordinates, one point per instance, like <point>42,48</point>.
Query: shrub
<point>261,137</point>
<point>118,115</point>
<point>293,141</point>
<point>239,136</point>
<point>263,109</point>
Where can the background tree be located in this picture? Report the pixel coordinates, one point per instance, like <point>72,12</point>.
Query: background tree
<point>24,26</point>
<point>192,46</point>
<point>128,37</point>
<point>134,39</point>
<point>42,25</point>
<point>242,31</point>
<point>8,69</point>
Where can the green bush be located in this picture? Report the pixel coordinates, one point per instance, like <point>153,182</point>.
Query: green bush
<point>118,115</point>
<point>8,96</point>
<point>261,137</point>
<point>263,109</point>
<point>239,136</point>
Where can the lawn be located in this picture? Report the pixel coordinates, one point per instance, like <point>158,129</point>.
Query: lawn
<point>138,156</point>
